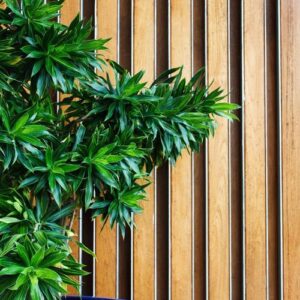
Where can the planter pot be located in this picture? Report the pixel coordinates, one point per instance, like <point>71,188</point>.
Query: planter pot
<point>85,298</point>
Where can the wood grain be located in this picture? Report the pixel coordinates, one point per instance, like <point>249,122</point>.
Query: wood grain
<point>290,78</point>
<point>255,161</point>
<point>106,239</point>
<point>68,12</point>
<point>144,234</point>
<point>181,178</point>
<point>218,183</point>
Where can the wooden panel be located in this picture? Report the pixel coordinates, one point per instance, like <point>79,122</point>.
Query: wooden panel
<point>218,213</point>
<point>106,276</point>
<point>255,150</point>
<point>181,184</point>
<point>144,248</point>
<point>290,45</point>
<point>69,11</point>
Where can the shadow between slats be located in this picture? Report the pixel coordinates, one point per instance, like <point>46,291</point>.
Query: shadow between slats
<point>199,161</point>
<point>87,238</point>
<point>125,61</point>
<point>272,129</point>
<point>162,178</point>
<point>235,72</point>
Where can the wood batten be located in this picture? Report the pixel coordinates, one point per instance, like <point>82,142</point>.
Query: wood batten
<point>69,11</point>
<point>181,174</point>
<point>255,152</point>
<point>290,106</point>
<point>106,239</point>
<point>143,238</point>
<point>218,157</point>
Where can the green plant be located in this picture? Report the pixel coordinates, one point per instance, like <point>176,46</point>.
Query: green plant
<point>92,150</point>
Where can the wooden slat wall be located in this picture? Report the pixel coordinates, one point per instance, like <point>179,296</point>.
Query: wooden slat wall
<point>243,195</point>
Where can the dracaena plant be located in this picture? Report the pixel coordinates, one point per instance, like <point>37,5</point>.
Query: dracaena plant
<point>93,150</point>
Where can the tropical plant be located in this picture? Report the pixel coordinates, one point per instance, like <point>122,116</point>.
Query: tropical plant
<point>93,150</point>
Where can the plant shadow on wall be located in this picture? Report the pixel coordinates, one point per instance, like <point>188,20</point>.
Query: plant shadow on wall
<point>93,150</point>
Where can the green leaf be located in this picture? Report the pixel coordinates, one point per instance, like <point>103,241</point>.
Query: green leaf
<point>37,67</point>
<point>107,176</point>
<point>62,213</point>
<point>29,181</point>
<point>46,273</point>
<point>12,270</point>
<point>86,249</point>
<point>23,254</point>
<point>38,257</point>
<point>35,292</point>
<point>9,220</point>
<point>21,280</point>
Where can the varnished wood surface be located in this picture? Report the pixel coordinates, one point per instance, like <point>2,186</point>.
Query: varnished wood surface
<point>290,77</point>
<point>144,235</point>
<point>218,181</point>
<point>70,10</point>
<point>67,14</point>
<point>255,157</point>
<point>106,240</point>
<point>261,167</point>
<point>181,178</point>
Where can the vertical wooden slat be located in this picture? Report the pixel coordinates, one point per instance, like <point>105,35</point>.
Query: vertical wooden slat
<point>181,184</point>
<point>68,12</point>
<point>218,185</point>
<point>144,246</point>
<point>106,277</point>
<point>290,78</point>
<point>255,181</point>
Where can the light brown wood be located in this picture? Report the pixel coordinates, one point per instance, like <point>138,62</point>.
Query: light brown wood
<point>106,239</point>
<point>181,178</point>
<point>255,150</point>
<point>69,11</point>
<point>144,248</point>
<point>218,181</point>
<point>290,78</point>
